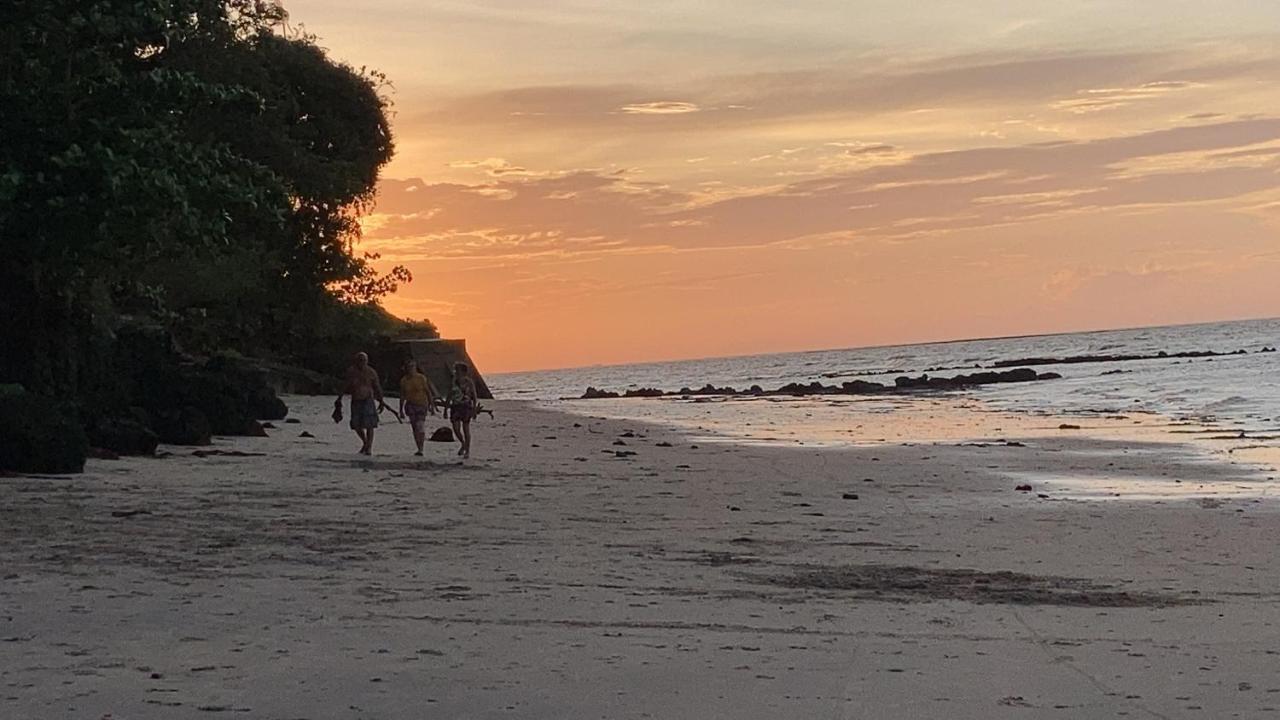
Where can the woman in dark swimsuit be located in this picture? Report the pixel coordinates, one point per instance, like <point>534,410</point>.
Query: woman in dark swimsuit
<point>462,406</point>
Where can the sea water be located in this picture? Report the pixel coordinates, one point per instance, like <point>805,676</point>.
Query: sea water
<point>1224,408</point>
<point>1232,390</point>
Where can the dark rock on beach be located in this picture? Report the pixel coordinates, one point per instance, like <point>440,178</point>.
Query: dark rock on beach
<point>124,436</point>
<point>38,435</point>
<point>189,398</point>
<point>183,426</point>
<point>443,434</point>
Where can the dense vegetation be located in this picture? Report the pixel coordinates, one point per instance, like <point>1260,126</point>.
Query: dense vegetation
<point>180,182</point>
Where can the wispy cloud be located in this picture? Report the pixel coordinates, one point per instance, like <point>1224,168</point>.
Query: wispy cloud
<point>1098,100</point>
<point>661,107</point>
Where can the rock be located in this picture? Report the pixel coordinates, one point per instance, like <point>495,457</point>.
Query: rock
<point>1068,426</point>
<point>852,387</point>
<point>184,426</point>
<point>305,434</point>
<point>253,428</point>
<point>292,421</point>
<point>619,442</point>
<point>1023,488</point>
<point>443,434</point>
<point>903,382</point>
<point>849,496</point>
<point>124,436</point>
<point>268,426</point>
<point>962,381</point>
<point>38,435</point>
<point>230,394</point>
<point>1076,359</point>
<point>264,404</point>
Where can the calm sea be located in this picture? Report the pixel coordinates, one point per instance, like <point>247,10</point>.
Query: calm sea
<point>1239,390</point>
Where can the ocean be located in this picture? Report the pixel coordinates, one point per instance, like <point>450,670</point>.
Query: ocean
<point>1234,396</point>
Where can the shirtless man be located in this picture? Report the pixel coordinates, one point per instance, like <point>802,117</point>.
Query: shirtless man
<point>362,384</point>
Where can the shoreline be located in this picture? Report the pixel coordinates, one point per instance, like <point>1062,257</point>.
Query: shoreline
<point>557,576</point>
<point>920,419</point>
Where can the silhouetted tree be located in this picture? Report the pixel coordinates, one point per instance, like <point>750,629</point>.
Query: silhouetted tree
<point>179,159</point>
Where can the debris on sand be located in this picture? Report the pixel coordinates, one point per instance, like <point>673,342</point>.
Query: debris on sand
<point>916,584</point>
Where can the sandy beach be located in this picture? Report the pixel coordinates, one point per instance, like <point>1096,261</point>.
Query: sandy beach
<point>587,568</point>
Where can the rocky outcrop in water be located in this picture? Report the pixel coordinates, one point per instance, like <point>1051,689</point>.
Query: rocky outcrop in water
<point>1077,359</point>
<point>904,384</point>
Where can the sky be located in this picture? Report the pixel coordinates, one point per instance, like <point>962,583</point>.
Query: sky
<point>606,181</point>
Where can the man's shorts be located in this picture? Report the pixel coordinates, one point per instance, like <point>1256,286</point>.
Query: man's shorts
<point>364,414</point>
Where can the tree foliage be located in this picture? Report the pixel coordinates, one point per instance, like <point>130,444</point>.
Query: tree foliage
<point>180,159</point>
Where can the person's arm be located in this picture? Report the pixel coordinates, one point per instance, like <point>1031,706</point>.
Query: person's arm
<point>431,398</point>
<point>377,389</point>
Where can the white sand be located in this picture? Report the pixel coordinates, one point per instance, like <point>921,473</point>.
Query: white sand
<point>549,578</point>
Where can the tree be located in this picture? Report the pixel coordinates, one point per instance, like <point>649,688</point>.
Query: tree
<point>180,159</point>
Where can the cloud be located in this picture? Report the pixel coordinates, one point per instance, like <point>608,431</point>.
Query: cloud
<point>662,107</point>
<point>496,167</point>
<point>1098,100</point>
<point>865,149</point>
<point>980,81</point>
<point>914,197</point>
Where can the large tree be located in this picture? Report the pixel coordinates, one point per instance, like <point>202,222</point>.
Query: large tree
<point>181,158</point>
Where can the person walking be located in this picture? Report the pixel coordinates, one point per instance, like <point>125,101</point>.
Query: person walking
<point>416,401</point>
<point>462,406</point>
<point>361,382</point>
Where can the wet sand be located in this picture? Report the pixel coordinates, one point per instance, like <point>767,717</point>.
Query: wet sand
<point>590,568</point>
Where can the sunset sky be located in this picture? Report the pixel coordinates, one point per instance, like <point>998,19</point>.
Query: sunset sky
<point>598,182</point>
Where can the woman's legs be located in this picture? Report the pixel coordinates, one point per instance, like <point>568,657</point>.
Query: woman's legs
<point>466,442</point>
<point>457,433</point>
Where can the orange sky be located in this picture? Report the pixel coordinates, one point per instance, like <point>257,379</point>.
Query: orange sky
<point>598,182</point>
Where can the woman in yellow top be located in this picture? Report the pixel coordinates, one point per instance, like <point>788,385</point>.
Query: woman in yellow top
<point>416,401</point>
